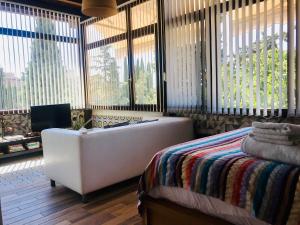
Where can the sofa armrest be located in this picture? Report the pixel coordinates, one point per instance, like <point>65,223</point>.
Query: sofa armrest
<point>61,149</point>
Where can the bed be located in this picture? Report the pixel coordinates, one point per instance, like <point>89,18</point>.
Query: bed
<point>211,181</point>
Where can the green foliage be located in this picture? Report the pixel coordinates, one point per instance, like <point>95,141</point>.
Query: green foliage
<point>106,87</point>
<point>145,92</point>
<point>262,71</point>
<point>105,84</point>
<point>45,76</point>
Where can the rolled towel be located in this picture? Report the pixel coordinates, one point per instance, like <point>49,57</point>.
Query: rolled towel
<point>281,128</point>
<point>280,153</point>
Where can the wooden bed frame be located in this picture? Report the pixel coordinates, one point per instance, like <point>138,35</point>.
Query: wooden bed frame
<point>164,212</point>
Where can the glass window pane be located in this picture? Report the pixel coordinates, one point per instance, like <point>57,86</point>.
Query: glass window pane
<point>108,75</point>
<point>265,38</point>
<point>144,14</point>
<point>145,70</point>
<point>106,28</point>
<point>39,70</point>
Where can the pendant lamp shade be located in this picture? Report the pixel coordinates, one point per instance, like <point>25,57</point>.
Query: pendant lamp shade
<point>99,8</point>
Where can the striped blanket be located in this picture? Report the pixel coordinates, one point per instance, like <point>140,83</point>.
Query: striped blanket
<point>215,166</point>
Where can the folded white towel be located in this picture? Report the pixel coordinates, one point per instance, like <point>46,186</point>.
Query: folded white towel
<point>275,138</point>
<point>281,140</point>
<point>260,131</point>
<point>281,153</point>
<point>281,128</point>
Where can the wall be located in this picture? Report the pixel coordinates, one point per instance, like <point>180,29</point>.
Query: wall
<point>21,123</point>
<point>206,125</point>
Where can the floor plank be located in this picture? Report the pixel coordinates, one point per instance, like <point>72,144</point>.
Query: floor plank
<point>27,198</point>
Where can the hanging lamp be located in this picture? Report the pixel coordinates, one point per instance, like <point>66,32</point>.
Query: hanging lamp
<point>99,8</point>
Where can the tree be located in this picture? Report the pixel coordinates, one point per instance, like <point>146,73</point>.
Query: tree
<point>145,92</point>
<point>264,45</point>
<point>45,75</point>
<point>105,84</point>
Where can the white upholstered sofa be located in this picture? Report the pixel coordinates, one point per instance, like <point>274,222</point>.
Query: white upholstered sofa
<point>85,162</point>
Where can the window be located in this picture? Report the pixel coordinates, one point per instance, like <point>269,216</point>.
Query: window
<point>121,59</point>
<point>40,63</point>
<point>253,58</point>
<point>145,70</point>
<point>233,56</point>
<point>186,54</point>
<point>108,71</point>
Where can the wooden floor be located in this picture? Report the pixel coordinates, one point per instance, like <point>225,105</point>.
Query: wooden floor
<point>27,198</point>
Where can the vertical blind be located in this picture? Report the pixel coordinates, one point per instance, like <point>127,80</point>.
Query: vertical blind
<point>121,58</point>
<point>233,56</point>
<point>40,62</point>
<point>186,54</point>
<point>258,57</point>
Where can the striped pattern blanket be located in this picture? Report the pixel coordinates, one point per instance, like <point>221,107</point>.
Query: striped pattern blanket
<point>215,166</point>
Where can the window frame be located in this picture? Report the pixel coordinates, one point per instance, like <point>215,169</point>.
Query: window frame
<point>238,111</point>
<point>129,36</point>
<point>36,11</point>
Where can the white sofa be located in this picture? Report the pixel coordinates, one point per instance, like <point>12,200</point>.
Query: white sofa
<point>85,162</point>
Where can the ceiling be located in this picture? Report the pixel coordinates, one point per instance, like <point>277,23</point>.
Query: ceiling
<point>68,6</point>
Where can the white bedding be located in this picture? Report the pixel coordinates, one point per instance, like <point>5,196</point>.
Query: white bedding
<point>208,205</point>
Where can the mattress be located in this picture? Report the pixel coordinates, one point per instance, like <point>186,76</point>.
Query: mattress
<point>208,205</point>
<point>214,176</point>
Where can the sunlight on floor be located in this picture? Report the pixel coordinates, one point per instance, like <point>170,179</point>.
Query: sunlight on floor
<point>18,166</point>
